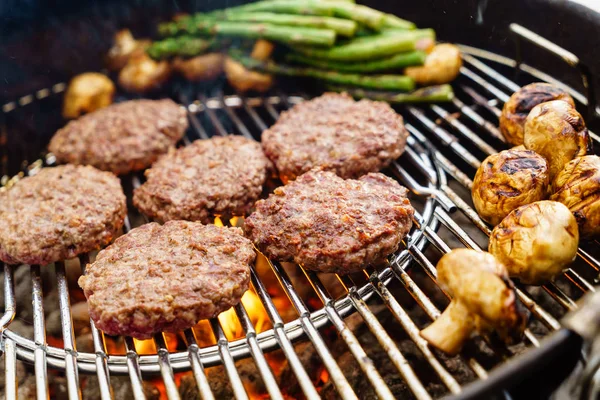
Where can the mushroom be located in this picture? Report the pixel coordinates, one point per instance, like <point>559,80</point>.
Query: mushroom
<point>483,300</point>
<point>200,68</point>
<point>517,108</point>
<point>508,180</point>
<point>557,132</point>
<point>124,47</point>
<point>442,65</point>
<point>87,92</point>
<point>577,186</point>
<point>536,242</point>
<point>142,73</point>
<point>243,79</point>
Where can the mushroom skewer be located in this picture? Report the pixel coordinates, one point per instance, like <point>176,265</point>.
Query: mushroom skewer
<point>483,300</point>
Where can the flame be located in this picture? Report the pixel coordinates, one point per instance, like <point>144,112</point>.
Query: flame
<point>231,325</point>
<point>148,347</point>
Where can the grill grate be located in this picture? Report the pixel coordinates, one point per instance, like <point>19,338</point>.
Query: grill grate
<point>464,132</point>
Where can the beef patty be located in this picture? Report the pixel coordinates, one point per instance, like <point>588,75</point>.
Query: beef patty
<point>123,137</point>
<point>59,213</point>
<point>167,277</point>
<point>329,224</point>
<point>336,133</point>
<point>221,176</point>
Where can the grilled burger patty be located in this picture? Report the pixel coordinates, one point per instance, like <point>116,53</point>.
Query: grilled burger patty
<point>336,133</point>
<point>220,176</point>
<point>329,224</point>
<point>59,213</point>
<point>167,277</point>
<point>123,137</point>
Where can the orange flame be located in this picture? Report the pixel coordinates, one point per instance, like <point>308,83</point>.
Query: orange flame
<point>231,325</point>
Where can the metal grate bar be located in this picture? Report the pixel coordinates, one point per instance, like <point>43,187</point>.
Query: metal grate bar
<point>485,84</point>
<point>447,139</point>
<point>477,119</point>
<point>39,335</point>
<point>254,115</point>
<point>361,357</point>
<point>413,331</point>
<point>133,366</point>
<point>72,373</point>
<point>333,368</point>
<point>482,101</point>
<point>220,129</point>
<point>386,342</point>
<point>99,347</point>
<point>165,367</point>
<point>512,86</point>
<point>197,367</point>
<point>227,359</point>
<point>10,370</point>
<point>286,346</point>
<point>464,130</point>
<point>9,297</point>
<point>259,358</point>
<point>233,116</point>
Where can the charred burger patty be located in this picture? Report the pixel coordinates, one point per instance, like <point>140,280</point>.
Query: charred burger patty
<point>336,133</point>
<point>167,277</point>
<point>329,224</point>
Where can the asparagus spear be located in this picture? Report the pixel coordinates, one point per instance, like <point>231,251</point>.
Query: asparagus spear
<point>430,94</point>
<point>342,27</point>
<point>284,34</point>
<point>391,21</point>
<point>186,46</point>
<point>374,19</point>
<point>386,82</point>
<point>399,60</point>
<point>365,48</point>
<point>299,7</point>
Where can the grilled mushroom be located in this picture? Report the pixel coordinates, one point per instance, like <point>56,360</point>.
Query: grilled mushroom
<point>557,132</point>
<point>242,78</point>
<point>577,186</point>
<point>536,242</point>
<point>200,68</point>
<point>143,74</point>
<point>442,65</point>
<point>483,299</point>
<point>508,180</point>
<point>87,92</point>
<point>517,108</point>
<point>125,46</point>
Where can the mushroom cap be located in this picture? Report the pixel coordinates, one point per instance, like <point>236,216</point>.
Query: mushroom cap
<point>577,186</point>
<point>479,281</point>
<point>536,242</point>
<point>557,132</point>
<point>517,108</point>
<point>508,180</point>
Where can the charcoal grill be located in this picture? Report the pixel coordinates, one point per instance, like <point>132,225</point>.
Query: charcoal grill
<point>446,145</point>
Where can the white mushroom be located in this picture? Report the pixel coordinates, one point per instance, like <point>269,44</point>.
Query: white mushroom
<point>536,242</point>
<point>442,65</point>
<point>557,132</point>
<point>483,300</point>
<point>87,92</point>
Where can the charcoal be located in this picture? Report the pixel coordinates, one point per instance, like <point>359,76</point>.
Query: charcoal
<point>121,386</point>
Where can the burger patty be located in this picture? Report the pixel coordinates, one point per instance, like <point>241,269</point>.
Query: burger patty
<point>167,277</point>
<point>59,213</point>
<point>123,137</point>
<point>329,224</point>
<point>336,133</point>
<point>221,176</point>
